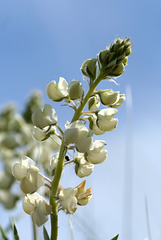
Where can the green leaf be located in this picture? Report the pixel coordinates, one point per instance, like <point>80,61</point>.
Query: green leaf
<point>3,234</point>
<point>46,236</point>
<point>115,238</point>
<point>16,237</point>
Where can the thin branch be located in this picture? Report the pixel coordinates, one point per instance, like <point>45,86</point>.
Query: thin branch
<point>61,131</point>
<point>68,162</point>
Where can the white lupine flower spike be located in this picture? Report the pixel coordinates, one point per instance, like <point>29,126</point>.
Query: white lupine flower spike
<point>77,136</point>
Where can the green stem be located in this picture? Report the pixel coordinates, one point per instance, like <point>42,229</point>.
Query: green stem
<point>54,187</point>
<point>34,231</point>
<point>59,169</point>
<point>78,112</point>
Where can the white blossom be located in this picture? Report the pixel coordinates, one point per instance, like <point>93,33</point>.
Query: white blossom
<point>57,92</point>
<point>93,102</point>
<point>96,155</point>
<point>77,133</point>
<point>108,96</point>
<point>46,117</point>
<point>83,168</point>
<point>36,206</point>
<point>105,121</point>
<point>28,174</point>
<point>68,199</point>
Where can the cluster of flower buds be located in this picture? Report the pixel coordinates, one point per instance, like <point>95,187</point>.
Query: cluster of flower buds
<point>113,60</point>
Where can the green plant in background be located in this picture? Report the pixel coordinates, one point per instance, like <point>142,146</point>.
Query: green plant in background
<point>77,137</point>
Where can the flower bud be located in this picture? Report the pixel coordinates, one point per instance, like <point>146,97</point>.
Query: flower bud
<point>53,164</point>
<point>113,60</point>
<point>93,102</point>
<point>75,90</point>
<point>68,199</point>
<point>96,155</point>
<point>57,92</point>
<point>89,68</point>
<point>117,71</point>
<point>83,196</point>
<point>120,101</point>
<point>82,167</point>
<point>106,122</point>
<point>108,97</point>
<point>44,118</point>
<point>36,206</point>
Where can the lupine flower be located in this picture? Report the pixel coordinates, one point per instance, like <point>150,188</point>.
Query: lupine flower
<point>83,196</point>
<point>40,134</point>
<point>28,175</point>
<point>83,168</point>
<point>46,117</point>
<point>96,155</point>
<point>93,102</point>
<point>108,97</point>
<point>76,133</point>
<point>93,125</point>
<point>36,206</point>
<point>75,90</point>
<point>57,92</point>
<point>120,101</point>
<point>68,199</point>
<point>105,121</point>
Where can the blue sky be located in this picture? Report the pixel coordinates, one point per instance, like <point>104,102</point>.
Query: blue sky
<point>43,40</point>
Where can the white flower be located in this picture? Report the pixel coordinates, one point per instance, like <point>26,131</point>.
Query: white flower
<point>96,155</point>
<point>83,196</point>
<point>93,125</point>
<point>28,175</point>
<point>94,102</point>
<point>40,134</point>
<point>46,117</point>
<point>106,122</point>
<point>75,90</point>
<point>68,199</point>
<point>53,163</point>
<point>57,92</point>
<point>120,101</point>
<point>109,97</point>
<point>76,133</point>
<point>36,206</point>
<point>83,168</point>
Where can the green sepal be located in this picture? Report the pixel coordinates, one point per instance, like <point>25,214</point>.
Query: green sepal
<point>89,68</point>
<point>45,233</point>
<point>16,236</point>
<point>115,238</point>
<point>4,237</point>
